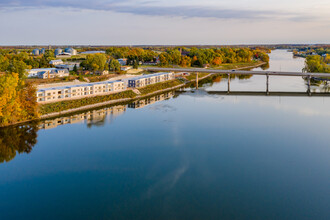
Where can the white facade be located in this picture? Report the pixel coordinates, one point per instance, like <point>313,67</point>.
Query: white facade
<point>45,73</point>
<point>56,62</point>
<point>34,72</point>
<point>54,73</point>
<point>142,81</point>
<point>79,91</point>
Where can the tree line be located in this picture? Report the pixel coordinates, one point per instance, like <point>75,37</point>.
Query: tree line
<point>317,64</point>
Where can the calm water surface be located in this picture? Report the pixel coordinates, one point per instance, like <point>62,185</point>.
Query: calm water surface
<point>192,156</point>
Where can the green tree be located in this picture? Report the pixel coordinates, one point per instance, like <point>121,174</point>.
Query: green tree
<point>95,62</point>
<point>114,65</point>
<point>75,68</point>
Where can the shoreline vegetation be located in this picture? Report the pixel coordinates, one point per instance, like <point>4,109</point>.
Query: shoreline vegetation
<point>18,93</point>
<point>128,95</point>
<point>49,110</point>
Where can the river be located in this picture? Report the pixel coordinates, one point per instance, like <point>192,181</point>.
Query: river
<point>191,154</point>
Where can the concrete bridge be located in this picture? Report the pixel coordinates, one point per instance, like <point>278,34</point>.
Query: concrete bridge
<point>308,76</point>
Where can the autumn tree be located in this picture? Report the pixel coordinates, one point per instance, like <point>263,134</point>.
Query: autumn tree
<point>185,61</point>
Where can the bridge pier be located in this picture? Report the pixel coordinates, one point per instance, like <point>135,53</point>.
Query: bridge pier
<point>196,80</point>
<point>309,85</point>
<point>228,91</point>
<point>267,84</point>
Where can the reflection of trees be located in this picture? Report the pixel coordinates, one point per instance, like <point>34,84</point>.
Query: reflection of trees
<point>19,139</point>
<point>217,79</point>
<point>323,85</point>
<point>265,66</point>
<point>241,77</point>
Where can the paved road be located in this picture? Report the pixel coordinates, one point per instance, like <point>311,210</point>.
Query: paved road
<point>236,72</point>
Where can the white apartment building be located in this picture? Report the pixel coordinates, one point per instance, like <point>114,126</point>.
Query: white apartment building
<point>79,91</point>
<point>56,62</point>
<point>144,80</point>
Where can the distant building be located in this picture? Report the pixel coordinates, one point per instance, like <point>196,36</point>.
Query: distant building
<point>58,51</point>
<point>125,68</point>
<point>102,73</point>
<point>36,52</point>
<point>68,66</point>
<point>60,73</point>
<point>122,62</point>
<point>93,52</point>
<point>71,51</point>
<point>46,73</point>
<point>34,72</point>
<point>56,62</point>
<point>64,55</point>
<point>42,51</point>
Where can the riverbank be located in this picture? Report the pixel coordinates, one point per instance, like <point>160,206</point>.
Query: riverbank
<point>114,101</point>
<point>65,107</point>
<point>240,66</point>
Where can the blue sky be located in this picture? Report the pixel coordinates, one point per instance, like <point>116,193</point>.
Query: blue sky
<point>128,22</point>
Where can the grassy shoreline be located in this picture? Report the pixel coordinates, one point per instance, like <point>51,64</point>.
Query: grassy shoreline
<point>50,108</point>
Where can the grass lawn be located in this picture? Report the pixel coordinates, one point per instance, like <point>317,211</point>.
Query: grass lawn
<point>159,86</point>
<point>76,103</point>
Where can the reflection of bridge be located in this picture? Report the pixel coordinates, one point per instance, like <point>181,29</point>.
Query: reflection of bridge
<point>256,93</point>
<point>308,76</point>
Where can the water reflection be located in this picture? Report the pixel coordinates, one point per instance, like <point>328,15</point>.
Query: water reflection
<point>93,117</point>
<point>16,140</point>
<point>22,138</point>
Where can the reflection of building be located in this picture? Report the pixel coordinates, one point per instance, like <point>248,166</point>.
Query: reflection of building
<point>100,116</point>
<point>148,101</point>
<point>79,91</point>
<point>91,117</point>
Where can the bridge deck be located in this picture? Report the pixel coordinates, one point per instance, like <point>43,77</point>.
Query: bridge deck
<point>237,72</point>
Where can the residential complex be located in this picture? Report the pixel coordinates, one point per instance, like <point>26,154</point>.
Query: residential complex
<point>79,91</point>
<point>95,117</point>
<point>99,88</point>
<point>144,80</point>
